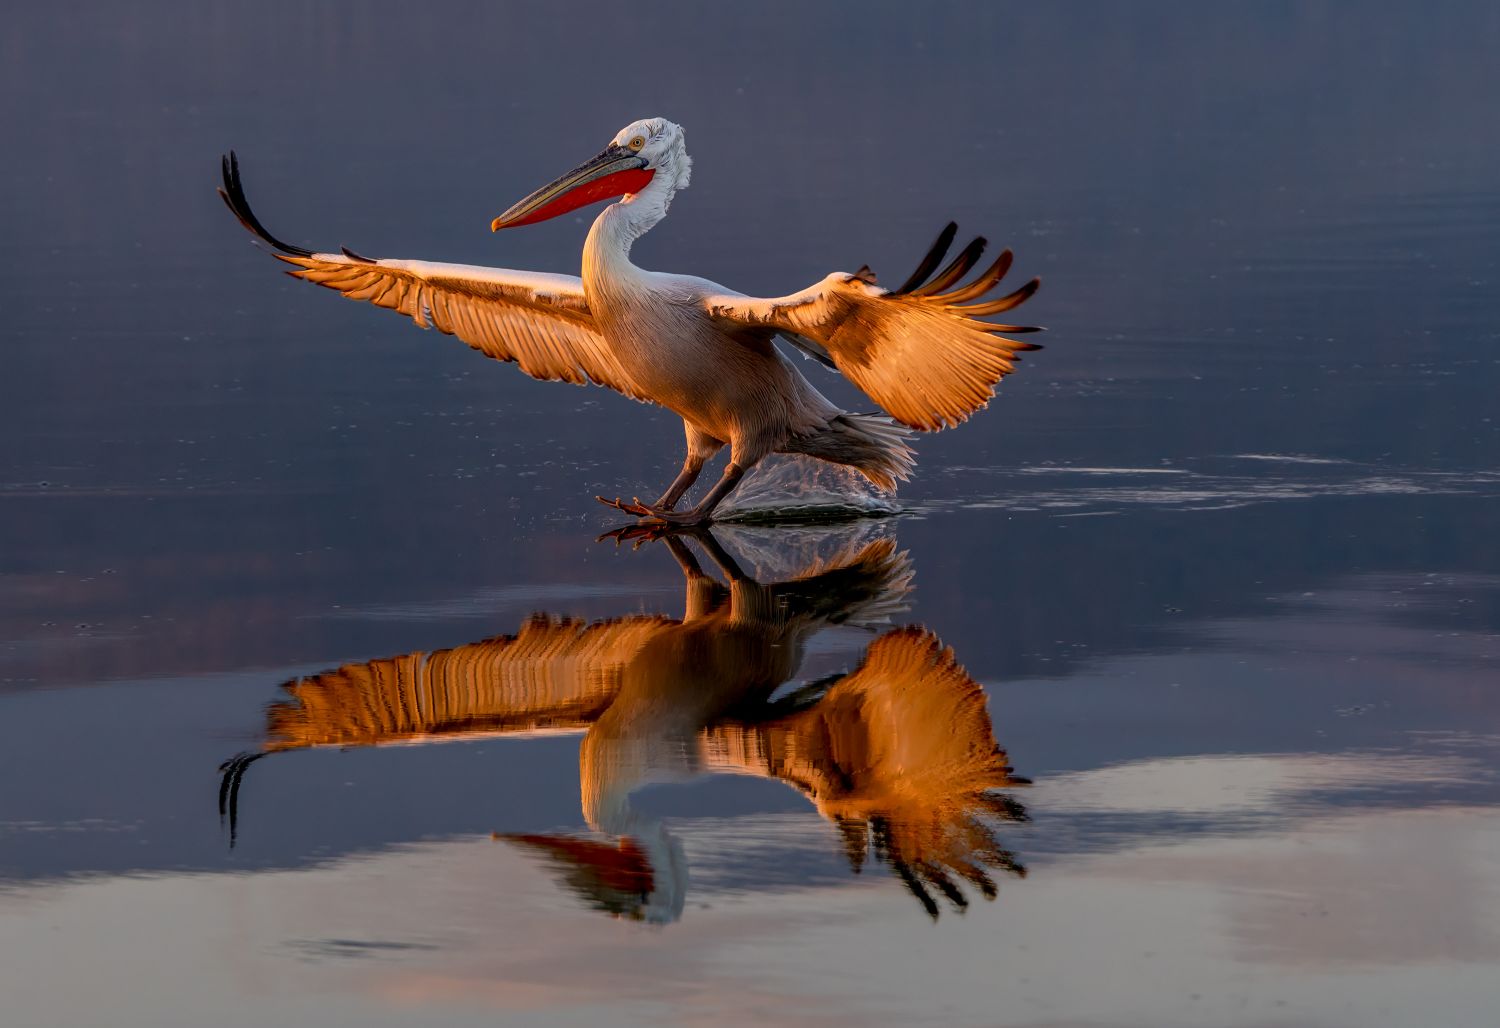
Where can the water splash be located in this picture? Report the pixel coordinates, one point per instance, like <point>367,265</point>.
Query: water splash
<point>797,488</point>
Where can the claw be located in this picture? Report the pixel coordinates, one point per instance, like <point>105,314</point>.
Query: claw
<point>637,508</point>
<point>676,519</point>
<point>652,514</point>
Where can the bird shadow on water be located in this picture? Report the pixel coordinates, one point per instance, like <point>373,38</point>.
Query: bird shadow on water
<point>897,754</point>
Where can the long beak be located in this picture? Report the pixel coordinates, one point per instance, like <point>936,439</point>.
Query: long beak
<point>615,172</point>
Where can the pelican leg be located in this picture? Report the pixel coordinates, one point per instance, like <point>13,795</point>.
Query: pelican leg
<point>702,514</point>
<point>701,448</point>
<point>691,469</point>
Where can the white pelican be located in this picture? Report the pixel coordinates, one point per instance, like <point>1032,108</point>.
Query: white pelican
<point>899,751</point>
<point>694,347</point>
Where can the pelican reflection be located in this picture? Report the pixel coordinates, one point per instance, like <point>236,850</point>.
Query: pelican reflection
<point>898,754</point>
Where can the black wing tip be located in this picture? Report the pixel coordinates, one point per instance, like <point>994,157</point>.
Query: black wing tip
<point>935,254</point>
<point>956,269</point>
<point>1027,291</point>
<point>233,193</point>
<point>1004,303</point>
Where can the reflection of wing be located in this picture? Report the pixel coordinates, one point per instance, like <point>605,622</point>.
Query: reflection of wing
<point>541,322</point>
<point>921,351</point>
<point>901,749</point>
<point>554,673</point>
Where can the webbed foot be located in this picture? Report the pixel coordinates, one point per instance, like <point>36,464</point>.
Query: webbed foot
<point>653,514</point>
<point>635,507</point>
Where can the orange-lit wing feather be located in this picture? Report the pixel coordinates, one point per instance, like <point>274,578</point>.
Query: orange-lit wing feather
<point>540,322</point>
<point>923,352</point>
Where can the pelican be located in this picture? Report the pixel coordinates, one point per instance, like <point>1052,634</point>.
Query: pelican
<point>900,751</point>
<point>922,351</point>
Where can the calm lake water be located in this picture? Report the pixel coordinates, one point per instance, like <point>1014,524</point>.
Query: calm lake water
<point>1219,570</point>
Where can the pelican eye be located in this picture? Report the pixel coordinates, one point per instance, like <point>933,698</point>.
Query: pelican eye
<point>637,143</point>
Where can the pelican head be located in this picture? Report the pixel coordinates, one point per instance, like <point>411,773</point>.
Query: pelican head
<point>646,153</point>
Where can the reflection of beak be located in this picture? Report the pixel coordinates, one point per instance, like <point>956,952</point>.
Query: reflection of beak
<point>615,172</point>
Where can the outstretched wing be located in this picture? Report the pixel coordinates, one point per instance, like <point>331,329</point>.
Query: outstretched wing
<point>921,351</point>
<point>555,674</point>
<point>538,321</point>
